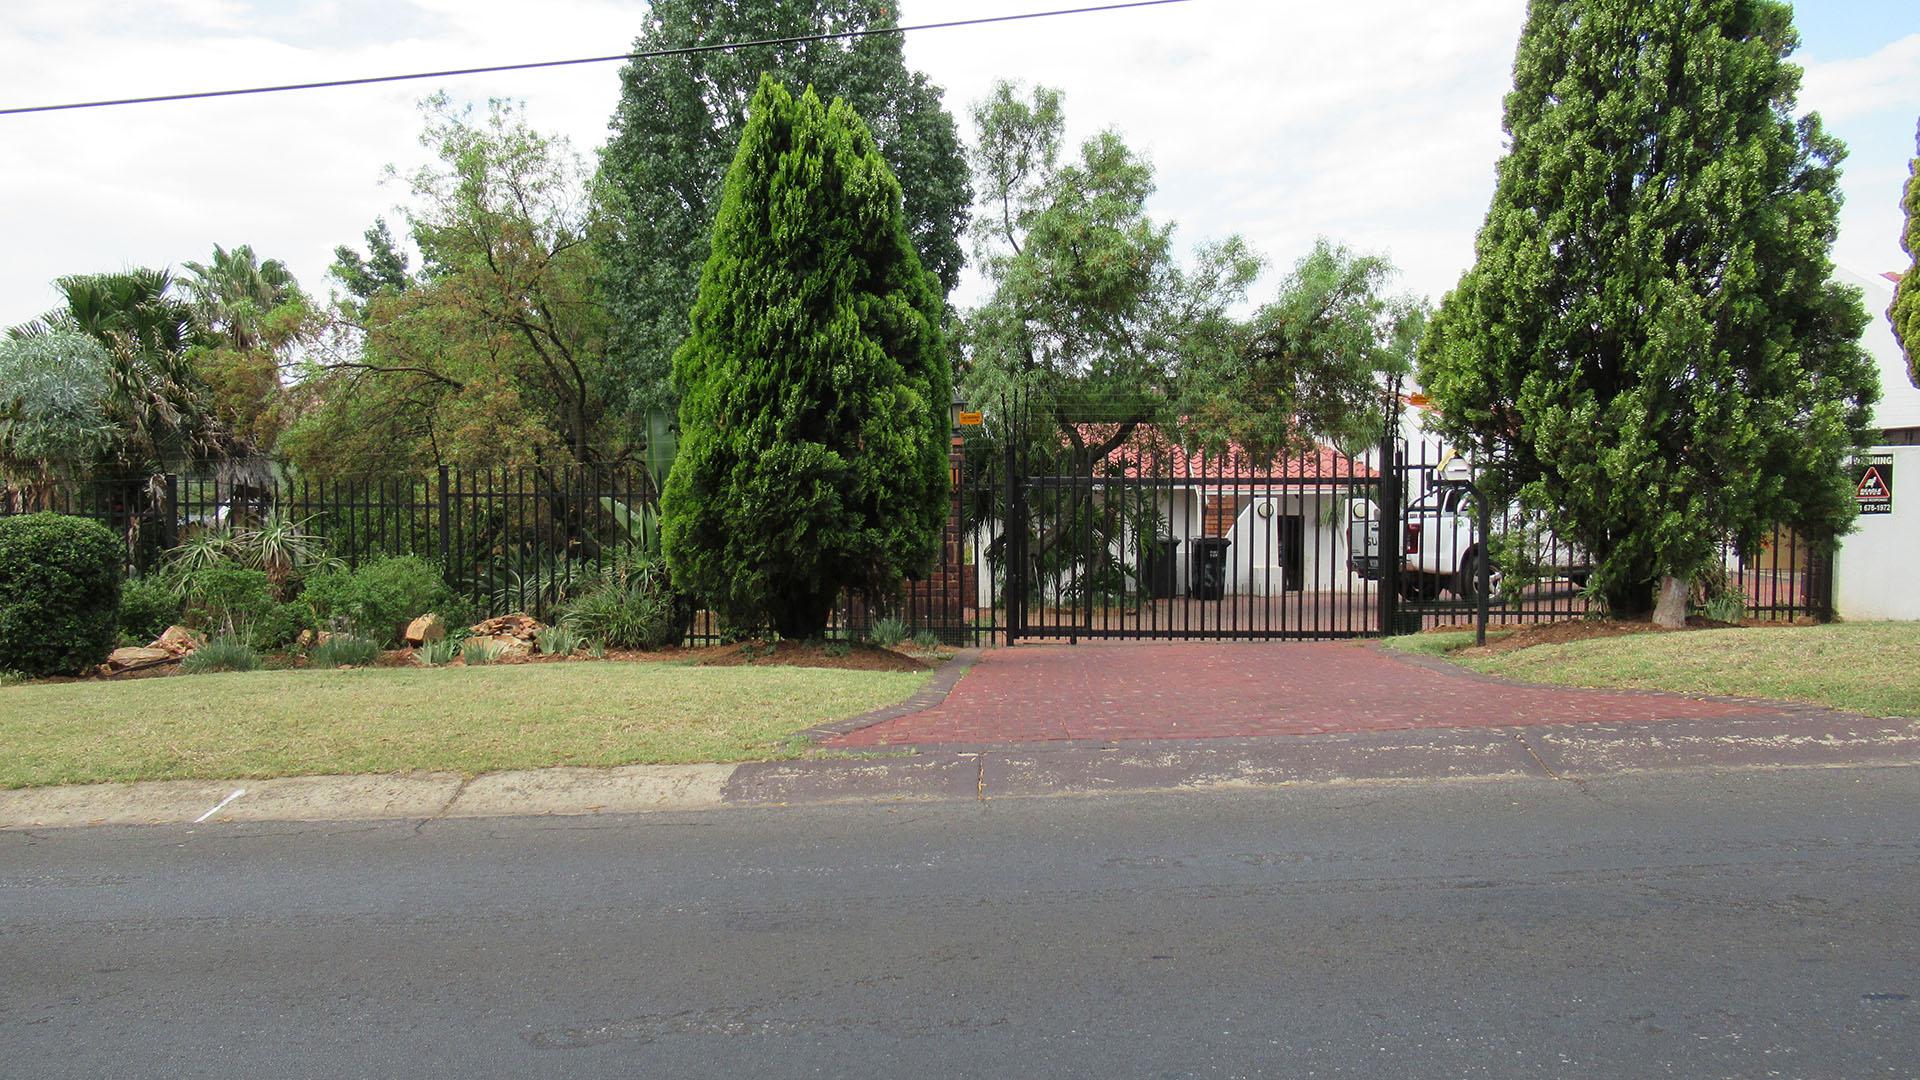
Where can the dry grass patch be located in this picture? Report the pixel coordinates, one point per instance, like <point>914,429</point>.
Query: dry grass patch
<point>466,720</point>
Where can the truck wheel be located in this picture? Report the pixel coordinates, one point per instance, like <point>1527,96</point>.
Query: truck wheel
<point>1466,581</point>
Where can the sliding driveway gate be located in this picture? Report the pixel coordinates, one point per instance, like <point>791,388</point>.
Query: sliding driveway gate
<point>1130,535</point>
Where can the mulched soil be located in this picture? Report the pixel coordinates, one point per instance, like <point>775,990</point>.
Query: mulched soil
<point>1555,633</point>
<point>858,657</point>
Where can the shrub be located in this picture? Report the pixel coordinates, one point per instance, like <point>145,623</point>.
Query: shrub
<point>887,632</point>
<point>557,641</point>
<point>436,653</point>
<point>926,641</point>
<point>148,606</point>
<point>344,650</point>
<point>1727,607</point>
<point>226,598</point>
<point>226,652</point>
<point>634,608</point>
<point>382,596</point>
<point>281,625</point>
<point>59,593</point>
<point>477,651</point>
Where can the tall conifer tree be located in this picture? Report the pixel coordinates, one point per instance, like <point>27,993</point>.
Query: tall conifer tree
<point>680,118</point>
<point>1905,312</point>
<point>1649,349</point>
<point>814,387</point>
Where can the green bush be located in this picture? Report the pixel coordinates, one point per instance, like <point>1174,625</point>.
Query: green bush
<point>59,593</point>
<point>634,608</point>
<point>148,606</point>
<point>382,596</point>
<point>281,625</point>
<point>887,632</point>
<point>225,597</point>
<point>227,652</point>
<point>344,650</point>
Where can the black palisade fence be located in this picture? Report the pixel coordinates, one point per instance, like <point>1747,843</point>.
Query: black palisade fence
<point>520,539</point>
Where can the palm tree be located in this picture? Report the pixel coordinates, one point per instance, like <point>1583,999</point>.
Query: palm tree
<point>233,295</point>
<point>161,409</point>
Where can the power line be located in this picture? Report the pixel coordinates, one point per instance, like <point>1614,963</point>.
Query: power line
<point>653,54</point>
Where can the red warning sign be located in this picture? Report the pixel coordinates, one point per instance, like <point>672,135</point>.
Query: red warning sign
<point>1874,492</point>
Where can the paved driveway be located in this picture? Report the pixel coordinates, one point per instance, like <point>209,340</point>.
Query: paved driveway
<point>1194,691</point>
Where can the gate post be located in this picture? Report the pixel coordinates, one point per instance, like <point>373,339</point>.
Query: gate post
<point>1013,531</point>
<point>1389,546</point>
<point>446,547</point>
<point>169,511</point>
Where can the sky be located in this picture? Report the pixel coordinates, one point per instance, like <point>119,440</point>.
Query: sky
<point>1375,124</point>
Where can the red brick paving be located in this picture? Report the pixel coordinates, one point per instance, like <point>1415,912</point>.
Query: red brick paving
<point>1035,693</point>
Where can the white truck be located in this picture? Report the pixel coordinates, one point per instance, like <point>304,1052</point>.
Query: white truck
<point>1439,548</point>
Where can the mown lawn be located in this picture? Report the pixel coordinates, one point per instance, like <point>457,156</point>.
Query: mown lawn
<point>465,720</point>
<point>1871,668</point>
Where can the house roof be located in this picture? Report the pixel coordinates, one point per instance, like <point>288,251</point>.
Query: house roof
<point>1151,452</point>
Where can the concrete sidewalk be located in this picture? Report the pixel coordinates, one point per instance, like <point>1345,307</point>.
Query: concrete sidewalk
<point>1788,739</point>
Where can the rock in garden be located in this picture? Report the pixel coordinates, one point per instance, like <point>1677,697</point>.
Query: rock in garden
<point>178,641</point>
<point>133,659</point>
<point>426,628</point>
<point>516,627</point>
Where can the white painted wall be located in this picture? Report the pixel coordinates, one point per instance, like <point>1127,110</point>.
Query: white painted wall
<point>1877,571</point>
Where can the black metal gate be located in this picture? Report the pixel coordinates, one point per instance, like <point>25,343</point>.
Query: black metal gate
<point>1127,534</point>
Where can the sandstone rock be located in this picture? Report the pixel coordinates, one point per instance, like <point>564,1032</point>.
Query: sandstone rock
<point>426,628</point>
<point>178,641</point>
<point>516,627</point>
<point>508,647</point>
<point>133,659</point>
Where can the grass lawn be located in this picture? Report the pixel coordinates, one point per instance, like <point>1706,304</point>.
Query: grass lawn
<point>1871,668</point>
<point>465,720</point>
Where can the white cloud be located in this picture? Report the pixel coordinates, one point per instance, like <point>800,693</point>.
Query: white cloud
<point>1376,123</point>
<point>1887,79</point>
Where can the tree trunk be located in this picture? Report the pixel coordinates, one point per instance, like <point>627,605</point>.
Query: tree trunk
<point>1631,601</point>
<point>1671,612</point>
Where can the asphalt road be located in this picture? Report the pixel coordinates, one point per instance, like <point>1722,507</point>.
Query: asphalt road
<point>1738,924</point>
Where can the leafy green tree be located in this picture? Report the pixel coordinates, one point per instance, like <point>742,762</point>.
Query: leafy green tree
<point>1093,317</point>
<point>680,119</point>
<point>815,385</point>
<point>1648,350</point>
<point>1310,365</point>
<point>381,271</point>
<point>494,352</point>
<point>1905,312</point>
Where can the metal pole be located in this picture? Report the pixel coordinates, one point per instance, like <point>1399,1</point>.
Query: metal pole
<point>1484,569</point>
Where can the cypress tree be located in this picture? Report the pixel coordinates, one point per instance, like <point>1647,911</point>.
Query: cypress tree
<point>814,385</point>
<point>1649,350</point>
<point>1905,312</point>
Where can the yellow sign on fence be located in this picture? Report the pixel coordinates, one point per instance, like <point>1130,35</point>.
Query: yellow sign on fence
<point>971,419</point>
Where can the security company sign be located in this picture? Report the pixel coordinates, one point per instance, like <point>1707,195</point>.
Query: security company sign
<point>1874,492</point>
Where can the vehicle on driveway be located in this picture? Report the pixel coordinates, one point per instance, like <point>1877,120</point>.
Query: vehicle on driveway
<point>1439,547</point>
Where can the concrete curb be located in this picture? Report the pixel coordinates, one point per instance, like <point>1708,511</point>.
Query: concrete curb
<point>930,696</point>
<point>1555,752</point>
